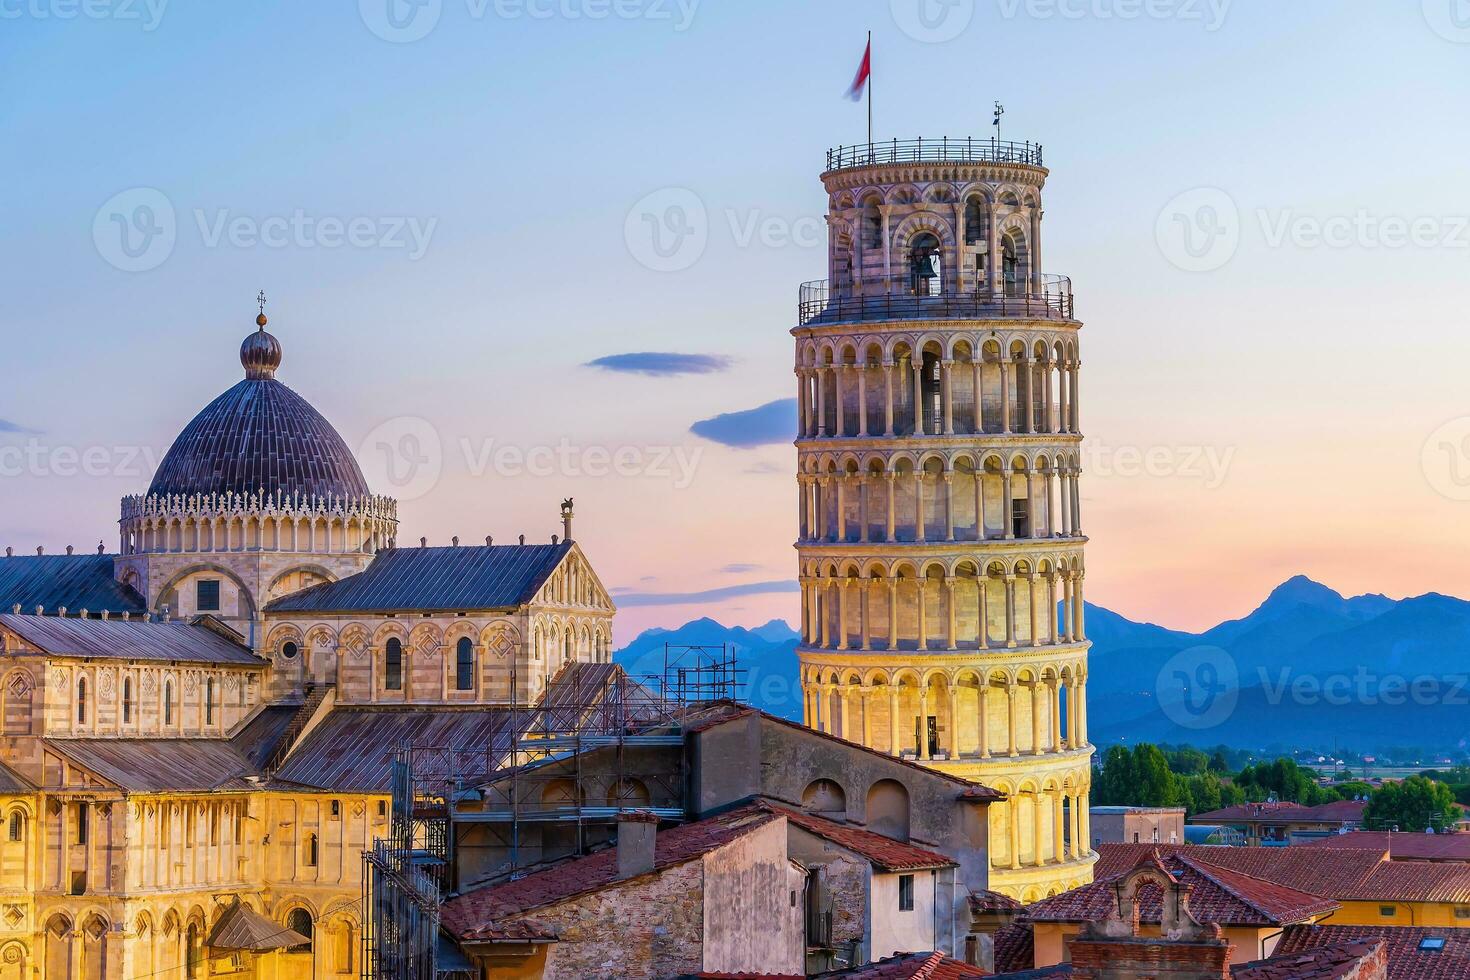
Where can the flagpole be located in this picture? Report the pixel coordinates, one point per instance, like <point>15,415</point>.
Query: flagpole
<point>870,92</point>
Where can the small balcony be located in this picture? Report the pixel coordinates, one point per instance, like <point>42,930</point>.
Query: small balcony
<point>943,150</point>
<point>910,298</point>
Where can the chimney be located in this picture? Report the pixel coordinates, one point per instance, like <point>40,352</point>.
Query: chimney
<point>636,832</point>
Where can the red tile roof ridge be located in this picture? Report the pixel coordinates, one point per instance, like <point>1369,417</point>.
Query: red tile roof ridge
<point>598,871</point>
<point>1326,962</point>
<point>1222,877</point>
<point>886,852</point>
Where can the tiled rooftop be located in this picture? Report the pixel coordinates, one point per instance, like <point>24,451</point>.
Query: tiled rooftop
<point>115,639</point>
<point>1336,962</point>
<point>75,581</point>
<point>884,852</point>
<point>910,966</point>
<point>476,912</point>
<point>1406,960</point>
<point>1218,895</point>
<point>1402,846</point>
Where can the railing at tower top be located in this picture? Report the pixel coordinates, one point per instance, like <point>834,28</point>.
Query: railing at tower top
<point>902,298</point>
<point>944,149</point>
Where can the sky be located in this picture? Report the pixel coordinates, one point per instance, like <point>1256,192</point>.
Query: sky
<point>461,214</point>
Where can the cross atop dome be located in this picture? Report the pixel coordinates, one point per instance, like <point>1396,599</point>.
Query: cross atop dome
<point>261,352</point>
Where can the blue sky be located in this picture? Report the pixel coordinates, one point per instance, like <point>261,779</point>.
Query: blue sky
<point>496,171</point>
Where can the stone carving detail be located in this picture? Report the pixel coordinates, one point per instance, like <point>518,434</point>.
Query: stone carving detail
<point>106,683</point>
<point>501,643</point>
<point>150,684</point>
<point>20,685</point>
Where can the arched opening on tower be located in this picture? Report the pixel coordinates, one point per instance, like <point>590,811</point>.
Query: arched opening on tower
<point>926,266</point>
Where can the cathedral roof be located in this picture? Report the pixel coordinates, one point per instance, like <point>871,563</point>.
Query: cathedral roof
<point>75,581</point>
<point>115,639</point>
<point>260,435</point>
<point>488,577</point>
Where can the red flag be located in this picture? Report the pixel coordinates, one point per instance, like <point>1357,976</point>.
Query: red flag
<point>864,70</point>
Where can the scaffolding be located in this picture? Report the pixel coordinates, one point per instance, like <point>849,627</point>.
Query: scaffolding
<point>550,784</point>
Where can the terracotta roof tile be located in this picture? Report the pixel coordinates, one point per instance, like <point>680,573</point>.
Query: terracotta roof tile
<point>1400,846</point>
<point>1406,960</point>
<point>991,902</point>
<point>910,966</point>
<point>1323,963</point>
<point>1329,875</point>
<point>1015,947</point>
<point>885,852</point>
<point>1218,895</point>
<point>1343,874</point>
<point>482,909</point>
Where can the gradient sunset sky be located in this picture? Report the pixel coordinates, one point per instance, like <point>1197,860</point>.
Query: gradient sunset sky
<point>1262,205</point>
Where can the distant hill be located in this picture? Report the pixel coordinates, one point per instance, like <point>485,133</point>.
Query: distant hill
<point>1313,669</point>
<point>766,656</point>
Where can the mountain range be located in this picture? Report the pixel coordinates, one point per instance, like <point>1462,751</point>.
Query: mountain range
<point>1308,668</point>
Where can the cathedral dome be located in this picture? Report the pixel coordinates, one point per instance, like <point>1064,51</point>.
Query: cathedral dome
<point>260,435</point>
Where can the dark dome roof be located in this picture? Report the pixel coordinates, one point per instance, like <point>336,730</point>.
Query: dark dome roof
<point>260,435</point>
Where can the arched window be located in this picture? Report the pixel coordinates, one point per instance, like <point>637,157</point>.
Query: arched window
<point>299,921</point>
<point>127,705</point>
<point>393,665</point>
<point>82,701</point>
<point>872,225</point>
<point>312,852</point>
<point>571,648</point>
<point>926,266</point>
<point>193,954</point>
<point>1010,266</point>
<point>168,702</point>
<point>17,826</point>
<point>464,664</point>
<point>974,221</point>
<point>209,701</point>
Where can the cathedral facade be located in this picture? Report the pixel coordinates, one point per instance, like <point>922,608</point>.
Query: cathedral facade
<point>198,730</point>
<point>939,441</point>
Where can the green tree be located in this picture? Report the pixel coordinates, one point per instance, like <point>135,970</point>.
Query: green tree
<point>1414,805</point>
<point>1289,781</point>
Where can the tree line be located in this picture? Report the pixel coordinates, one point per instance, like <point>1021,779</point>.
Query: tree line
<point>1169,776</point>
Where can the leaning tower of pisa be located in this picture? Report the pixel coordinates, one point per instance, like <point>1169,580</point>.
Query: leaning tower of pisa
<point>939,448</point>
